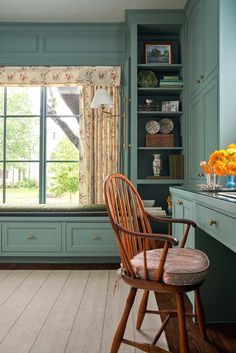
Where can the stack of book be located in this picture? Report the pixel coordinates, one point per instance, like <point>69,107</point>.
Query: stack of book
<point>156,211</point>
<point>171,82</point>
<point>176,166</point>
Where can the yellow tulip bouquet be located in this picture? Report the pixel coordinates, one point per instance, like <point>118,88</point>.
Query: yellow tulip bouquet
<point>221,162</point>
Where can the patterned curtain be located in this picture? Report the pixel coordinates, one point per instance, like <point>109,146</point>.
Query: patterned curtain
<point>99,136</point>
<point>42,76</point>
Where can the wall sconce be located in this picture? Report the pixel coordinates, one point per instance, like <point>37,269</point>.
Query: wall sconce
<point>103,100</point>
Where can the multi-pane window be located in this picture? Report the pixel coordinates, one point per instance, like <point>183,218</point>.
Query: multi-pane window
<point>39,145</point>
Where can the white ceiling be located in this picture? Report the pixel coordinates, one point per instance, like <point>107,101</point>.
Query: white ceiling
<point>77,10</point>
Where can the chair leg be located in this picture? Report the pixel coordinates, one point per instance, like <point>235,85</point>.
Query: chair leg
<point>142,309</point>
<point>200,314</point>
<point>123,321</point>
<point>183,338</point>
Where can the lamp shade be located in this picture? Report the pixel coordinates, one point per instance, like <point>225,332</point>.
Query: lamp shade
<point>101,98</point>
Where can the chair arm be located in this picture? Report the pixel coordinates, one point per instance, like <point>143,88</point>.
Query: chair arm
<point>153,236</point>
<point>171,220</point>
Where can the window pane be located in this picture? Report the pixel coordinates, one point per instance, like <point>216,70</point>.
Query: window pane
<point>22,183</point>
<point>63,183</point>
<point>22,138</point>
<point>1,138</point>
<point>62,138</point>
<point>23,101</point>
<point>63,101</point>
<point>1,100</point>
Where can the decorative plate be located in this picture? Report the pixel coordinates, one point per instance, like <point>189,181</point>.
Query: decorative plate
<point>147,78</point>
<point>152,127</point>
<point>166,126</point>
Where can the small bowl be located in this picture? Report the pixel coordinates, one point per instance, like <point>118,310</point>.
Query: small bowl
<point>149,203</point>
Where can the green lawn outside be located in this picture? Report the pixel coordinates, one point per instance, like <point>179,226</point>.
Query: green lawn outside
<point>24,195</point>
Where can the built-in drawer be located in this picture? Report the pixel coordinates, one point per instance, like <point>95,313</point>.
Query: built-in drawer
<point>89,238</point>
<point>219,225</point>
<point>31,236</point>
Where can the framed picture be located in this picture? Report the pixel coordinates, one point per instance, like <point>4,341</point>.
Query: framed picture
<point>158,53</point>
<point>170,106</point>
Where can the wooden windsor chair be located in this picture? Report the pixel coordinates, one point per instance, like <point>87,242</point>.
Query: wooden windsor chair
<point>146,267</point>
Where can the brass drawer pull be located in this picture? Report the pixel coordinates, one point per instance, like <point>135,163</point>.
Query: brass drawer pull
<point>179,203</point>
<point>97,237</point>
<point>199,174</point>
<point>211,222</point>
<point>30,237</point>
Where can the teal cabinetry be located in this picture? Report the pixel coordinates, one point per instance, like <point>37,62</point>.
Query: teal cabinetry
<point>183,209</point>
<point>31,237</point>
<point>202,43</point>
<point>215,235</point>
<point>203,128</point>
<point>96,239</point>
<point>211,79</point>
<point>57,239</point>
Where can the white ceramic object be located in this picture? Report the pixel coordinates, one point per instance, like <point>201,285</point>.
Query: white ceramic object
<point>149,203</point>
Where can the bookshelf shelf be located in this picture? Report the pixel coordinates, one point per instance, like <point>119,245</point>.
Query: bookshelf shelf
<point>161,181</point>
<point>159,148</point>
<point>158,113</point>
<point>161,67</point>
<point>159,90</point>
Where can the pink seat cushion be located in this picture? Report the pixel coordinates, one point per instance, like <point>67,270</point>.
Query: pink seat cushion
<point>182,267</point>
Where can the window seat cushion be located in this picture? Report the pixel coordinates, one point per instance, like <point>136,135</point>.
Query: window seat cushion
<point>11,209</point>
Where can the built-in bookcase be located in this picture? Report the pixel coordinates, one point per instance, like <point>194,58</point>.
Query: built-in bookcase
<point>141,113</point>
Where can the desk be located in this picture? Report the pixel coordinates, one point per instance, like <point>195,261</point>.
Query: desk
<point>215,234</point>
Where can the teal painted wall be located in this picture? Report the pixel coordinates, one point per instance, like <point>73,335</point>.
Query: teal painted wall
<point>63,44</point>
<point>227,73</point>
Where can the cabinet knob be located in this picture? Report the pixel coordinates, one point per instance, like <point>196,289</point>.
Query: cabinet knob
<point>30,237</point>
<point>211,222</point>
<point>97,237</point>
<point>199,174</point>
<point>179,202</point>
<point>198,81</point>
<point>202,76</point>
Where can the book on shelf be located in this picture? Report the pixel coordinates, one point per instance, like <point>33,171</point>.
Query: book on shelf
<point>156,211</point>
<point>176,166</point>
<point>170,78</point>
<point>172,81</point>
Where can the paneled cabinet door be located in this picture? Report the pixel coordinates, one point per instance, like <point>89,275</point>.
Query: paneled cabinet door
<point>183,208</point>
<point>203,128</point>
<point>195,45</point>
<point>196,138</point>
<point>210,14</point>
<point>203,42</point>
<point>210,113</point>
<point>177,209</point>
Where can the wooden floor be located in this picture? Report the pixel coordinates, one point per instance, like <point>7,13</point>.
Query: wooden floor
<point>221,337</point>
<point>72,309</point>
<point>65,311</point>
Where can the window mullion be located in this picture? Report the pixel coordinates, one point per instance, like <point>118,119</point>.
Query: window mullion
<point>42,151</point>
<point>4,147</point>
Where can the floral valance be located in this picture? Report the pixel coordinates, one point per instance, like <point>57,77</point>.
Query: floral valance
<point>60,76</point>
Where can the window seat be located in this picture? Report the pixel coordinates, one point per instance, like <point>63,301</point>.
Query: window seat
<point>11,209</point>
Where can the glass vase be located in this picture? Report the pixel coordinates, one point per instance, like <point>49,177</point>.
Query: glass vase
<point>230,183</point>
<point>211,180</point>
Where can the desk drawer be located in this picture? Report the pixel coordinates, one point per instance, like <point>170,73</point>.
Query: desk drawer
<point>220,226</point>
<point>89,239</point>
<point>31,237</point>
